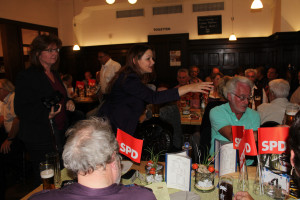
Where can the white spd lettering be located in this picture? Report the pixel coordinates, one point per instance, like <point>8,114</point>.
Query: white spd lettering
<point>270,145</point>
<point>237,141</point>
<point>128,150</point>
<point>248,148</point>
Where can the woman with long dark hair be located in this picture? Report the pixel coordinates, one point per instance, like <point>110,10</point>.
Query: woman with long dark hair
<point>128,93</point>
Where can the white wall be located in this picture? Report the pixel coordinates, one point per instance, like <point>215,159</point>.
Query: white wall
<point>98,25</point>
<point>96,22</point>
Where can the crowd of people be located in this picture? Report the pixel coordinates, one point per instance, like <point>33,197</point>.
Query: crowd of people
<point>36,113</point>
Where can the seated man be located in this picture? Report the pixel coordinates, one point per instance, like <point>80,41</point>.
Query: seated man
<point>194,72</point>
<point>234,113</point>
<point>97,166</point>
<point>10,147</point>
<point>275,110</point>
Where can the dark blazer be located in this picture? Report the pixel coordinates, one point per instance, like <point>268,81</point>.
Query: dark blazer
<point>31,86</point>
<point>127,102</point>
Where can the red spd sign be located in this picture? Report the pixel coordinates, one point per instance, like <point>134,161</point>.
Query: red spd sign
<point>272,140</point>
<point>237,134</point>
<point>92,82</point>
<point>247,146</point>
<point>80,84</point>
<point>130,146</point>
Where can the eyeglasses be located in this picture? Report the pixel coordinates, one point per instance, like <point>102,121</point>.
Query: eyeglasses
<point>243,98</point>
<point>52,50</point>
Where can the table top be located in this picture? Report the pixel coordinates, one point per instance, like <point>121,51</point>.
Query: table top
<point>211,195</point>
<point>188,120</point>
<point>85,99</point>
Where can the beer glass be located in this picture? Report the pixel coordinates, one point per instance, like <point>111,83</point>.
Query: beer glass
<point>290,112</point>
<point>53,158</point>
<point>47,175</point>
<point>225,187</point>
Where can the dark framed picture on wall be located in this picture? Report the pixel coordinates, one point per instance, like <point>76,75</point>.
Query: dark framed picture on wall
<point>209,24</point>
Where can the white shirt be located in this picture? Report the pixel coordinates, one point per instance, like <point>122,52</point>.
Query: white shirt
<point>273,111</point>
<point>107,72</point>
<point>8,111</point>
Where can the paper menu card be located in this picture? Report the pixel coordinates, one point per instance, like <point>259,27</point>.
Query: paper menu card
<point>226,158</point>
<point>178,171</point>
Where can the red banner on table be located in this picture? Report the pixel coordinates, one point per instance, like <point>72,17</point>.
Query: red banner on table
<point>80,84</point>
<point>92,82</point>
<point>247,146</point>
<point>130,146</point>
<point>237,134</point>
<point>272,140</point>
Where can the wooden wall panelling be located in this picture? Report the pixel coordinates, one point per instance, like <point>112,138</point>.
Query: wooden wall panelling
<point>163,44</point>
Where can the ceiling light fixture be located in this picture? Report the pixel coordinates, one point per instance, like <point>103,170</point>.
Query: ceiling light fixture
<point>76,47</point>
<point>110,1</point>
<point>232,37</point>
<point>256,4</point>
<point>132,1</point>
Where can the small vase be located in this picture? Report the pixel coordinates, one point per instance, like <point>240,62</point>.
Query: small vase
<point>154,176</point>
<point>204,182</point>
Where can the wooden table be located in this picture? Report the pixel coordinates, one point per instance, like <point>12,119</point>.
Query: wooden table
<point>187,120</point>
<point>85,104</point>
<point>212,195</point>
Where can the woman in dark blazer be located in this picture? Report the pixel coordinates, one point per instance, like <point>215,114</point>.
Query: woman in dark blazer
<point>128,93</point>
<point>33,87</point>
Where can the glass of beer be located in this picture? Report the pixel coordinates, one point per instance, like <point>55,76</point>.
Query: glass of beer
<point>53,158</point>
<point>47,175</point>
<point>225,187</point>
<point>290,112</point>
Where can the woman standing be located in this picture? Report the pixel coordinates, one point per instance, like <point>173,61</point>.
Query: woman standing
<point>41,128</point>
<point>128,93</point>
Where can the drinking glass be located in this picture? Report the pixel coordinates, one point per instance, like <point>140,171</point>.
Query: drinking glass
<point>47,175</point>
<point>225,187</point>
<point>290,112</point>
<point>53,158</point>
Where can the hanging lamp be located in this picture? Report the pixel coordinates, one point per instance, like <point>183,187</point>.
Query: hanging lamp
<point>76,47</point>
<point>232,37</point>
<point>256,4</point>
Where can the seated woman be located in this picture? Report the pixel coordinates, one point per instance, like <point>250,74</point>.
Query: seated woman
<point>128,93</point>
<point>214,94</point>
<point>205,128</point>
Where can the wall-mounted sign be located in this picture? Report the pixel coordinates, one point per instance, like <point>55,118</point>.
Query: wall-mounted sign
<point>162,29</point>
<point>210,25</point>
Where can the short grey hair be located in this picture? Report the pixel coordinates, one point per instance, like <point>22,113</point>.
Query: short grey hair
<point>280,88</point>
<point>7,85</point>
<point>250,70</point>
<point>232,84</point>
<point>183,70</point>
<point>90,146</point>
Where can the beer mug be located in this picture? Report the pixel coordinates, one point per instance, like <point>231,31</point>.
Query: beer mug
<point>225,187</point>
<point>290,112</point>
<point>47,175</point>
<point>53,158</point>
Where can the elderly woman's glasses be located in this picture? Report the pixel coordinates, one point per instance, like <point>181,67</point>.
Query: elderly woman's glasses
<point>52,50</point>
<point>243,98</point>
